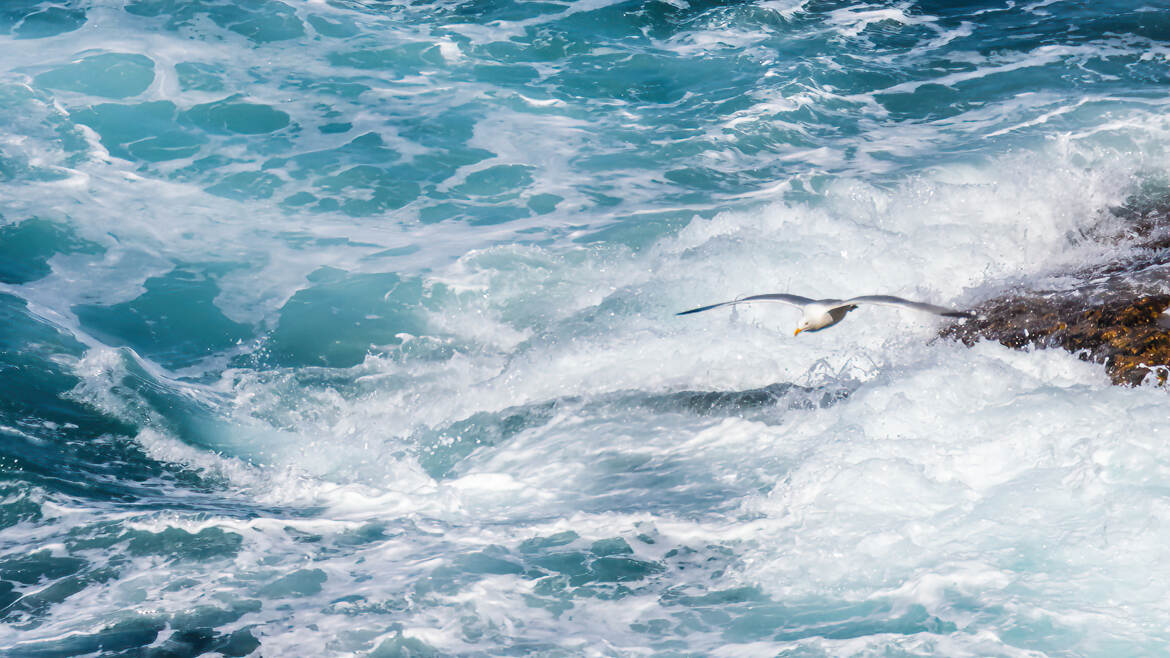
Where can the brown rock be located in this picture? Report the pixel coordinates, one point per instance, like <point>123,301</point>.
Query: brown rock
<point>1122,333</point>
<point>1110,314</point>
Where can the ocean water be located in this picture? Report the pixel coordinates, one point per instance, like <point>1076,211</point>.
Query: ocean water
<point>346,327</point>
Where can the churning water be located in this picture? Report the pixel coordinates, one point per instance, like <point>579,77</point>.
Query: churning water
<point>335,327</point>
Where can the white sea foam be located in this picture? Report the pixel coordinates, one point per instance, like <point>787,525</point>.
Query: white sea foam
<point>875,473</point>
<point>852,21</point>
<point>985,477</point>
<point>939,440</point>
<point>965,476</point>
<point>533,315</point>
<point>924,496</point>
<point>528,324</point>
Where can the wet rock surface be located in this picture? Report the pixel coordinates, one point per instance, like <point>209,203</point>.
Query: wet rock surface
<point>1111,313</point>
<point>1124,333</point>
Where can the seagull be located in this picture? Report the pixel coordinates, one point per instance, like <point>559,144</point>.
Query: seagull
<point>823,313</point>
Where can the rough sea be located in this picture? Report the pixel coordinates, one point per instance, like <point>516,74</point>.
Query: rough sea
<point>346,327</point>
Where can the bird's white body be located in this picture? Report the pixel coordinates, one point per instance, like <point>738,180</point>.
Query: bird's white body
<point>817,314</point>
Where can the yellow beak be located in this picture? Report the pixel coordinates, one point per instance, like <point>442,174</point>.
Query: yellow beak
<point>797,332</point>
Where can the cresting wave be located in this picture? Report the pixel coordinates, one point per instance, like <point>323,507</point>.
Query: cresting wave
<point>368,347</point>
<point>410,435</point>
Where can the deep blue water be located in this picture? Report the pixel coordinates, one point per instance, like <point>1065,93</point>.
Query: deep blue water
<point>344,327</point>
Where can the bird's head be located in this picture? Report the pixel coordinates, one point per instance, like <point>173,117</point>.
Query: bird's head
<point>801,326</point>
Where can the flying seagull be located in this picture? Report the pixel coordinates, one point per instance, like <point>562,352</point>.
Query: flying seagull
<point>823,313</point>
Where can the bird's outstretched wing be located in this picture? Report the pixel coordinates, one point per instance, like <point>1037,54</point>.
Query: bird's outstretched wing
<point>794,300</point>
<point>890,300</point>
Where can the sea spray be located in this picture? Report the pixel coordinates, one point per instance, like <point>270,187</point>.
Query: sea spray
<point>347,328</point>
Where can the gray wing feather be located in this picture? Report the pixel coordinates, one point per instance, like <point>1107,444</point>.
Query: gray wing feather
<point>794,300</point>
<point>890,300</point>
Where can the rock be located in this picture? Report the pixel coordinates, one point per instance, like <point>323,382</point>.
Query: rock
<point>1110,313</point>
<point>1122,333</point>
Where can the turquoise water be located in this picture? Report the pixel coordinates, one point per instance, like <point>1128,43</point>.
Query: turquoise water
<point>346,328</point>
